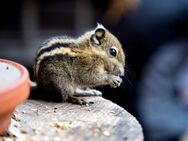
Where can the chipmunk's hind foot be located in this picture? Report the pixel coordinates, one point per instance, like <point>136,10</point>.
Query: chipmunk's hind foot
<point>87,92</point>
<point>79,101</point>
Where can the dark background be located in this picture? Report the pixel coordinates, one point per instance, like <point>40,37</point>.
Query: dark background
<point>26,24</point>
<point>143,28</point>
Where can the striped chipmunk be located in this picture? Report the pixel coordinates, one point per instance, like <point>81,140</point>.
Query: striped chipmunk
<point>71,67</point>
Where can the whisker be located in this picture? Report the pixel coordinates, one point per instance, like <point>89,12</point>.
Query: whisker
<point>128,78</point>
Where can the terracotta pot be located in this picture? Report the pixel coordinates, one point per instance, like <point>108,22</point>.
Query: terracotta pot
<point>14,89</point>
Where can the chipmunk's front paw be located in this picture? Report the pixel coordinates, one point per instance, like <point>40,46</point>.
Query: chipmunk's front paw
<point>115,81</point>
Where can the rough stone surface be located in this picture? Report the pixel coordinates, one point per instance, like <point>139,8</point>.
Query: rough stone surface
<point>47,121</point>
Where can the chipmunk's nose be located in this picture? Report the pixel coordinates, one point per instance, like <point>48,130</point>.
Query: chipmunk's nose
<point>119,70</point>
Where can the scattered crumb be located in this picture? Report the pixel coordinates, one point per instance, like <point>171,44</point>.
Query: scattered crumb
<point>106,133</point>
<point>97,129</point>
<point>36,131</point>
<point>49,111</point>
<point>7,67</point>
<point>87,105</point>
<point>23,112</point>
<point>112,112</point>
<point>52,111</point>
<point>55,110</point>
<point>56,139</point>
<point>16,117</point>
<point>23,132</point>
<point>62,125</point>
<point>37,112</point>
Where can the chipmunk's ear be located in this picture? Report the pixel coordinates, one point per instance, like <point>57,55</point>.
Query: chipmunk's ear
<point>98,35</point>
<point>100,31</point>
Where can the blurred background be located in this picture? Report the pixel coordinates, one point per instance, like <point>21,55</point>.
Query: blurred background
<point>153,33</point>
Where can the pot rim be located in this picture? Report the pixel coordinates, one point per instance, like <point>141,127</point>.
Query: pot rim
<point>9,92</point>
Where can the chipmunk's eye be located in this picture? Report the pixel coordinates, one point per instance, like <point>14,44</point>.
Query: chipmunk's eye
<point>113,51</point>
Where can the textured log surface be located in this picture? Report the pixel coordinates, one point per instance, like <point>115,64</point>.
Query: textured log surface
<point>47,121</point>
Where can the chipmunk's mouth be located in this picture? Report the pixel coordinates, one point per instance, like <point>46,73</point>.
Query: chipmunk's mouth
<point>117,70</point>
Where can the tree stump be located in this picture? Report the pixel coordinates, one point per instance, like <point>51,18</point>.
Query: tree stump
<point>48,121</point>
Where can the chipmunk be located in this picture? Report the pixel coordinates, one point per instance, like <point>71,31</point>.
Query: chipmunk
<point>71,67</point>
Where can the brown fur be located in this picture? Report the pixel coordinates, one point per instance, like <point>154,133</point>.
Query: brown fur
<point>85,63</point>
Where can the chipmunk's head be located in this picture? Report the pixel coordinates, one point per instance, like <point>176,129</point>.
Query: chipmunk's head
<point>106,42</point>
